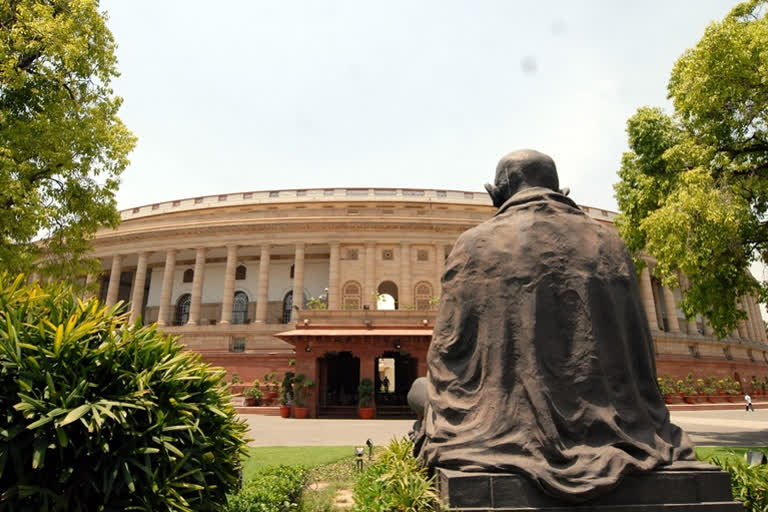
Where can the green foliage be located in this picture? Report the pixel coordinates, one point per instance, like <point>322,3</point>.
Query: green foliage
<point>235,378</point>
<point>302,387</point>
<point>254,392</point>
<point>666,385</point>
<point>395,483</point>
<point>314,303</point>
<point>270,380</point>
<point>272,489</point>
<point>749,484</point>
<point>62,146</point>
<point>693,190</point>
<point>97,414</point>
<point>365,392</point>
<point>286,389</point>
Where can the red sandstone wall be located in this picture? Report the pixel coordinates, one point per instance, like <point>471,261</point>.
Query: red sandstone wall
<point>249,366</point>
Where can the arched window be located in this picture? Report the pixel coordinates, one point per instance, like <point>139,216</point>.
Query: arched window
<point>240,273</point>
<point>240,308</point>
<point>423,296</point>
<point>287,305</point>
<point>387,296</point>
<point>351,295</point>
<point>182,309</point>
<point>189,276</point>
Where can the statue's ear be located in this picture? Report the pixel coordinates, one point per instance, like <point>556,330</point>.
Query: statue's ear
<point>565,191</point>
<point>495,194</point>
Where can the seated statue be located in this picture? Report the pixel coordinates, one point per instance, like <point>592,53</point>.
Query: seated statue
<point>542,362</point>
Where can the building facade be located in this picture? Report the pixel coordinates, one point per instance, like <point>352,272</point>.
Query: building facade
<point>234,274</point>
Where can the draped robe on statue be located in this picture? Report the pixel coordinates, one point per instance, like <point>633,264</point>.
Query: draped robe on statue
<point>541,362</point>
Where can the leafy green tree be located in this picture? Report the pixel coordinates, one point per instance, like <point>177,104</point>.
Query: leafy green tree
<point>693,190</point>
<point>62,146</point>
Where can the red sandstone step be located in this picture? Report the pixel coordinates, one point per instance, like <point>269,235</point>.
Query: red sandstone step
<point>262,411</point>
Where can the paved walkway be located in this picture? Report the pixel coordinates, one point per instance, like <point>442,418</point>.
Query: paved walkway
<point>719,428</point>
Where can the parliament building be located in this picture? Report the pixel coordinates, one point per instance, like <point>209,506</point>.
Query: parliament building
<point>343,283</point>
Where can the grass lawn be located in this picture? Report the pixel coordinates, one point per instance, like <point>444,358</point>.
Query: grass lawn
<point>727,452</point>
<point>310,456</point>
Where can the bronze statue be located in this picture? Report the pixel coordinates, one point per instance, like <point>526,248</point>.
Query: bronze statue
<point>541,362</point>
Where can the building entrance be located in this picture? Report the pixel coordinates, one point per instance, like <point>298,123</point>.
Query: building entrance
<point>395,373</point>
<point>338,378</point>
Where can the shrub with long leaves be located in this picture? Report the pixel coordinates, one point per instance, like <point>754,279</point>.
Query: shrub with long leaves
<point>97,414</point>
<point>749,484</point>
<point>396,482</point>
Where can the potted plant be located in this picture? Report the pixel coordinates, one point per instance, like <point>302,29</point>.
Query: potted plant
<point>286,395</point>
<point>302,387</point>
<point>253,394</point>
<point>666,387</point>
<point>365,398</point>
<point>270,381</point>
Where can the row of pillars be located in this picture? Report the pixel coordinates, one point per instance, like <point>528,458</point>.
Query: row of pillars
<point>166,308</point>
<point>750,329</point>
<point>334,298</point>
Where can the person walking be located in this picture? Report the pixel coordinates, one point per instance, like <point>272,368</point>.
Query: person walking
<point>748,400</point>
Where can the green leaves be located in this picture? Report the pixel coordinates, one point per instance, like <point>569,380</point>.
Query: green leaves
<point>693,190</point>
<point>92,407</point>
<point>62,146</point>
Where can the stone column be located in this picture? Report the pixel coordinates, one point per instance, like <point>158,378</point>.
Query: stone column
<point>197,287</point>
<point>750,327</point>
<point>692,327</point>
<point>708,328</point>
<point>262,298</point>
<point>757,319</point>
<point>741,325</point>
<point>334,293</point>
<point>370,275</point>
<point>298,280</point>
<point>139,280</point>
<point>229,285</point>
<point>167,290</point>
<point>439,268</point>
<point>646,293</point>
<point>406,286</point>
<point>669,303</point>
<point>89,278</point>
<point>114,280</point>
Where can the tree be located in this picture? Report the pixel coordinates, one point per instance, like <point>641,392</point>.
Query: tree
<point>62,146</point>
<point>693,189</point>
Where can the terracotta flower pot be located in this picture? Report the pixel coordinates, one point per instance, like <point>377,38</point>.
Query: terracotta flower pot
<point>300,412</point>
<point>285,411</point>
<point>689,399</point>
<point>366,413</point>
<point>272,395</point>
<point>667,399</point>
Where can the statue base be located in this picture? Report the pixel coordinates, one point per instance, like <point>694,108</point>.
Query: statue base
<point>666,490</point>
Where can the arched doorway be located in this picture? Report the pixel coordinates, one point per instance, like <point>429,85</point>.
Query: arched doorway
<point>287,306</point>
<point>395,372</point>
<point>338,378</point>
<point>387,296</point>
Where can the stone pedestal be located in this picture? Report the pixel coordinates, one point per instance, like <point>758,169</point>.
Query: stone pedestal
<point>665,490</point>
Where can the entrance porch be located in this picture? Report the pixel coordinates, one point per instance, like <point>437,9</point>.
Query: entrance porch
<point>337,349</point>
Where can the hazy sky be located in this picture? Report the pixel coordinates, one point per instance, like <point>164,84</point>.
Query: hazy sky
<point>232,96</point>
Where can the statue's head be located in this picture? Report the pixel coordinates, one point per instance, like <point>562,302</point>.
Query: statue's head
<point>519,170</point>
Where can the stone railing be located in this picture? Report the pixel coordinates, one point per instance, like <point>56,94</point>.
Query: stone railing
<point>317,195</point>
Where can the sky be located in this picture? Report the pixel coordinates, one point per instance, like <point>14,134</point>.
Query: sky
<point>233,96</point>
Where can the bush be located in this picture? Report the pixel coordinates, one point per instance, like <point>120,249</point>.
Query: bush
<point>395,482</point>
<point>748,483</point>
<point>272,489</point>
<point>96,414</point>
